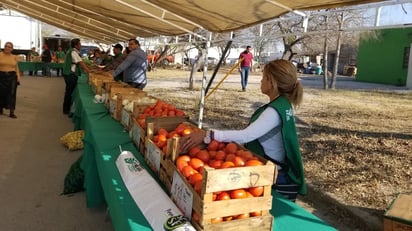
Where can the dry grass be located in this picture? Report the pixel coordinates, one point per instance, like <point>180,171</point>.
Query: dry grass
<point>356,145</point>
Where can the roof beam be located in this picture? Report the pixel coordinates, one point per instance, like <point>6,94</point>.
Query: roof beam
<point>160,18</point>
<point>70,17</point>
<point>58,23</point>
<point>96,16</point>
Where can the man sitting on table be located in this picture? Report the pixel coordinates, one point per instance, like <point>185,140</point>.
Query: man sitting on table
<point>116,61</point>
<point>134,66</point>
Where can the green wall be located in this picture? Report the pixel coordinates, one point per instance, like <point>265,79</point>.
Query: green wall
<point>382,60</point>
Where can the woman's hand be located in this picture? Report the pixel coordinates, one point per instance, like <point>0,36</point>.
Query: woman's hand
<point>190,141</point>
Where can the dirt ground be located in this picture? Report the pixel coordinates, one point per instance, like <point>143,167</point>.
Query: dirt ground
<point>33,163</point>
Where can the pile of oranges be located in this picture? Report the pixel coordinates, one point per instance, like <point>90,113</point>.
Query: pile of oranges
<point>219,155</point>
<point>159,109</point>
<point>160,139</point>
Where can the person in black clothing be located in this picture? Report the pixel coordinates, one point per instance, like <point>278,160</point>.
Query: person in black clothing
<point>46,58</point>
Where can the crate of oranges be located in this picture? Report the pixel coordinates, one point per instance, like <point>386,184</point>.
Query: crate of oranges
<point>160,111</point>
<point>159,133</point>
<point>229,185</point>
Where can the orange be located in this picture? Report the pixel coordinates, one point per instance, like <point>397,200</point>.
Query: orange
<point>221,146</point>
<point>188,170</point>
<point>228,164</point>
<point>179,129</point>
<point>182,161</point>
<point>239,161</point>
<point>249,195</point>
<point>186,132</point>
<point>212,155</point>
<point>195,178</point>
<point>256,214</point>
<point>196,163</point>
<point>256,191</point>
<point>247,155</point>
<point>231,148</point>
<point>228,218</point>
<point>238,194</point>
<point>223,196</point>
<point>216,220</point>
<point>198,187</point>
<point>242,216</point>
<point>253,162</point>
<point>162,138</point>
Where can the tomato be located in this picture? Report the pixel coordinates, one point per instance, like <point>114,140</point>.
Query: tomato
<point>162,131</point>
<point>216,220</point>
<point>238,194</point>
<point>231,148</point>
<point>196,163</point>
<point>230,157</point>
<point>193,151</point>
<point>203,155</point>
<point>215,163</point>
<point>179,129</point>
<point>256,191</point>
<point>212,155</point>
<point>247,155</point>
<point>221,146</point>
<point>213,145</point>
<point>179,112</point>
<point>220,155</point>
<point>253,162</point>
<point>223,196</point>
<point>195,216</point>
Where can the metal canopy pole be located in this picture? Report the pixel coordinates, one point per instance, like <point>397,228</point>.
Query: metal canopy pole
<point>228,45</point>
<point>204,79</point>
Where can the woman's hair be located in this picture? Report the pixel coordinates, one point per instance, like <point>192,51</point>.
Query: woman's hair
<point>282,74</point>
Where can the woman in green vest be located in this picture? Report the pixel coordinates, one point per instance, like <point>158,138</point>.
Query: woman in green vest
<point>271,132</point>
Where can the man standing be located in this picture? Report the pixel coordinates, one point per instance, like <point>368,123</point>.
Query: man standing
<point>71,72</point>
<point>46,57</point>
<point>116,61</point>
<point>33,57</point>
<point>245,66</point>
<point>134,66</point>
<point>60,55</point>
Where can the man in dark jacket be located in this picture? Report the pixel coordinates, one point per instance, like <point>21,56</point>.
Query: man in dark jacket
<point>46,58</point>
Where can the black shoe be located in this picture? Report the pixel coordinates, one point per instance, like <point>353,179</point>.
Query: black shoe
<point>1,111</point>
<point>12,115</point>
<point>243,89</point>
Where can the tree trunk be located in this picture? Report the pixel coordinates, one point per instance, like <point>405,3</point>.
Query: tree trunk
<point>325,57</point>
<point>194,68</point>
<point>335,68</point>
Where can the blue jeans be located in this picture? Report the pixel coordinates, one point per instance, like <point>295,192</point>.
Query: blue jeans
<point>244,74</point>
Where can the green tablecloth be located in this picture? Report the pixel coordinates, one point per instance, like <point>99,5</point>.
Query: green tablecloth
<point>37,66</point>
<point>104,185</point>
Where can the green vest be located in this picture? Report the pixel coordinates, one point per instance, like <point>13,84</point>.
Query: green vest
<point>68,64</point>
<point>293,160</point>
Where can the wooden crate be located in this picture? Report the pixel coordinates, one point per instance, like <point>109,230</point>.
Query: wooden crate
<point>138,137</point>
<point>126,119</point>
<point>154,155</point>
<point>139,107</point>
<point>399,215</point>
<point>216,180</point>
<point>116,106</point>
